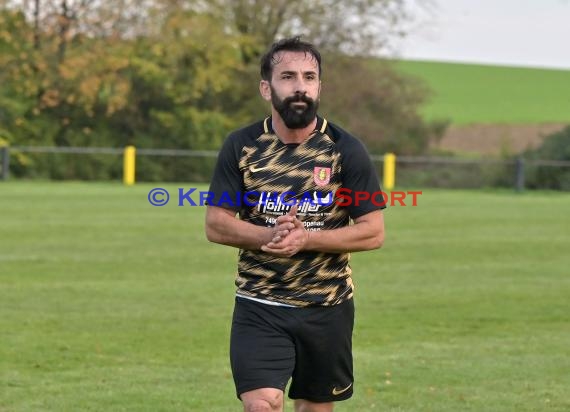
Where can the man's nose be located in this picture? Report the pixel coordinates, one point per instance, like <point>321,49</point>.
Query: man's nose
<point>300,86</point>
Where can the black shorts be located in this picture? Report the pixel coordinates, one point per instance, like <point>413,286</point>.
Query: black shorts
<point>313,346</point>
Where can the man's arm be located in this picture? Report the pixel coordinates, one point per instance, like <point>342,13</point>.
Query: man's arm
<point>366,233</point>
<point>223,227</point>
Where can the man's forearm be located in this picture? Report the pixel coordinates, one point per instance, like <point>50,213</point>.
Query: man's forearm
<point>346,239</point>
<point>366,233</point>
<point>225,229</point>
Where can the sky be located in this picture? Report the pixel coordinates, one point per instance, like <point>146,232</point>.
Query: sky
<point>532,33</point>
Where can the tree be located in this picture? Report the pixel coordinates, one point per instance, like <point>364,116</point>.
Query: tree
<point>351,27</point>
<point>182,73</point>
<point>378,104</point>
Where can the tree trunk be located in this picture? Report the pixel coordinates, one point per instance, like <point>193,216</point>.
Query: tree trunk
<point>63,30</point>
<point>37,24</point>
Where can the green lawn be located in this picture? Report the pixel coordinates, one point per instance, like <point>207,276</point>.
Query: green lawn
<point>110,304</point>
<point>468,93</point>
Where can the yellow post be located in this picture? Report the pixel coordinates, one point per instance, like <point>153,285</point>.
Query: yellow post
<point>129,165</point>
<point>389,171</point>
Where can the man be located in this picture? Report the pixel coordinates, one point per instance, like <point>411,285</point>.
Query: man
<point>294,313</point>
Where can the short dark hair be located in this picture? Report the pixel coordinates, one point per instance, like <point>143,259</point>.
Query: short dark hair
<point>292,44</point>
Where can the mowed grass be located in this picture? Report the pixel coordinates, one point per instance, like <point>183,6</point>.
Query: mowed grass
<point>469,93</point>
<point>110,304</point>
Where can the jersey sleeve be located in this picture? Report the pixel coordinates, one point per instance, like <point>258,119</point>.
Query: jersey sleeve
<point>360,179</point>
<point>227,181</point>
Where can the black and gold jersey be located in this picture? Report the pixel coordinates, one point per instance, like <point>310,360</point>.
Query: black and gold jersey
<point>261,178</point>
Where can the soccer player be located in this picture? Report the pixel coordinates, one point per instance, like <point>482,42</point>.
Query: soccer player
<point>274,186</point>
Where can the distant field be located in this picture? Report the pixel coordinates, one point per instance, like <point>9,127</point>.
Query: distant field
<point>466,93</point>
<point>110,304</point>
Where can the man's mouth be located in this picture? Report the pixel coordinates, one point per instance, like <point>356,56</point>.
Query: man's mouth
<point>300,105</point>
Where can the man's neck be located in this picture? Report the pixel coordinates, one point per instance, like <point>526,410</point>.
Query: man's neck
<point>287,135</point>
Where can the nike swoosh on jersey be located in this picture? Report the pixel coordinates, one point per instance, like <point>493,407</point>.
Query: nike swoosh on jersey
<point>257,169</point>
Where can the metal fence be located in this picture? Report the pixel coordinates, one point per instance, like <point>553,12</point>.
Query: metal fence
<point>448,172</point>
<point>197,166</point>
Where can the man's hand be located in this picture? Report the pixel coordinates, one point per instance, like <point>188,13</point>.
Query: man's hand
<point>284,225</point>
<point>289,237</point>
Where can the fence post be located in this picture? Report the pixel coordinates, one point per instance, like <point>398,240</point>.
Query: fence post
<point>129,165</point>
<point>519,178</point>
<point>389,171</point>
<point>5,155</point>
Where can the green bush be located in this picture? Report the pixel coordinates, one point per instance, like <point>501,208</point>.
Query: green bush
<point>555,147</point>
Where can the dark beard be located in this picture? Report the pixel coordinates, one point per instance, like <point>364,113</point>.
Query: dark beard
<point>295,118</point>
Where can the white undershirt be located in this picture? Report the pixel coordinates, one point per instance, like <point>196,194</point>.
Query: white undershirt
<point>266,302</point>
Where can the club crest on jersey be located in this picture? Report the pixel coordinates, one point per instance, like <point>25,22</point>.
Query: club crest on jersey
<point>322,175</point>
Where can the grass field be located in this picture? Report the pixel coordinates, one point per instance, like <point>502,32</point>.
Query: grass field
<point>468,93</point>
<point>110,304</point>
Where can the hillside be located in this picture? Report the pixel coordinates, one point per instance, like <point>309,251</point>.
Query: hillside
<point>494,109</point>
<point>468,94</point>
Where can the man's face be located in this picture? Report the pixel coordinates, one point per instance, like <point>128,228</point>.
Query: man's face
<point>294,88</point>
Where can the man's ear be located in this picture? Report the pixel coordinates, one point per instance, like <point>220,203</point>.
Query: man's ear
<point>265,90</point>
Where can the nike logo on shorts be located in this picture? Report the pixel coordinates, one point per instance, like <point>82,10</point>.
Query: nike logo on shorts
<point>336,391</point>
